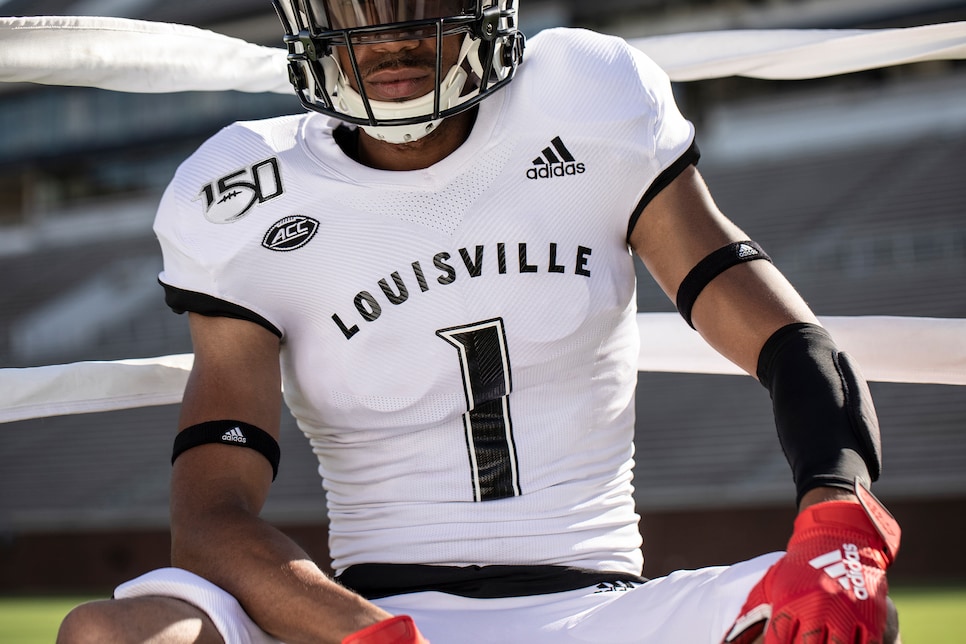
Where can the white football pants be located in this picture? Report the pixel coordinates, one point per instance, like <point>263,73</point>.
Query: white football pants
<point>686,607</point>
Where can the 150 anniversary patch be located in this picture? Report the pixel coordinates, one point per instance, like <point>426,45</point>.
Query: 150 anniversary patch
<point>231,197</point>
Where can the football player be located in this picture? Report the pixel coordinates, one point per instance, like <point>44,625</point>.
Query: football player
<point>437,264</point>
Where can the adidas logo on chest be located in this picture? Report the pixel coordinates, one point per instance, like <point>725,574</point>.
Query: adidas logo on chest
<point>554,161</point>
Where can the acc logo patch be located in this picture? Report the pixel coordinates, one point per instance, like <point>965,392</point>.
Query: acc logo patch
<point>230,198</point>
<point>290,233</point>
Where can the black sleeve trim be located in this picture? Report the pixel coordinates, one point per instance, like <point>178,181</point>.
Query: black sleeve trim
<point>180,300</point>
<point>689,158</point>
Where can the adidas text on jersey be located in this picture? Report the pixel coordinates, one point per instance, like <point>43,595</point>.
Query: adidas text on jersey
<point>555,160</point>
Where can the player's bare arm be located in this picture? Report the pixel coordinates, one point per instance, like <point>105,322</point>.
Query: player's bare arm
<point>739,309</point>
<point>752,315</point>
<point>218,491</point>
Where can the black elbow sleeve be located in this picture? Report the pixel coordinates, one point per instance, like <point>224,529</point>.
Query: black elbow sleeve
<point>823,409</point>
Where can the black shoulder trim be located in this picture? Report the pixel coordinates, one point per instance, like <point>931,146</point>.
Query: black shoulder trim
<point>689,158</point>
<point>373,581</point>
<point>180,300</point>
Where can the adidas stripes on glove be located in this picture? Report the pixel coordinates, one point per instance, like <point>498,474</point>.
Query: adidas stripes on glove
<point>830,586</point>
<point>396,630</point>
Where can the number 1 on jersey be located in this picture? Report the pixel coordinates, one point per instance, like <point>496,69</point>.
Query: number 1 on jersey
<point>485,366</point>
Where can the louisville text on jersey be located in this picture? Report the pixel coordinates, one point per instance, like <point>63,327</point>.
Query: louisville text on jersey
<point>444,269</point>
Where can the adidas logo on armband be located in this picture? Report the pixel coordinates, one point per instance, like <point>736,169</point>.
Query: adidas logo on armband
<point>845,567</point>
<point>744,250</point>
<point>234,435</point>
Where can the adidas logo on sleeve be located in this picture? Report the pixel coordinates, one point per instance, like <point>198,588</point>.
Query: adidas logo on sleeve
<point>845,567</point>
<point>234,435</point>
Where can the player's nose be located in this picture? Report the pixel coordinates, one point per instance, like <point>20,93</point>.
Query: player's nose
<point>395,46</point>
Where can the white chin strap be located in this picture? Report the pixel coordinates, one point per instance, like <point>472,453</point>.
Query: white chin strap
<point>349,101</point>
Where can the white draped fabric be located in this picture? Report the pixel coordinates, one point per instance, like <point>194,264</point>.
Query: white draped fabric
<point>140,56</point>
<point>890,349</point>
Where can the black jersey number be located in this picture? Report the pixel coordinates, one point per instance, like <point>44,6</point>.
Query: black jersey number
<point>485,365</point>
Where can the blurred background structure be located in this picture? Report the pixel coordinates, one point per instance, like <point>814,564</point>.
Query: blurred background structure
<point>856,185</point>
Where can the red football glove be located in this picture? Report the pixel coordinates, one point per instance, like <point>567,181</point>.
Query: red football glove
<point>830,586</point>
<point>396,630</point>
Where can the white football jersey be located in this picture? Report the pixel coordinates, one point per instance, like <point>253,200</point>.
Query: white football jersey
<point>460,342</point>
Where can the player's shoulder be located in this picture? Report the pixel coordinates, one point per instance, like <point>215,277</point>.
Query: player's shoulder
<point>586,62</point>
<point>583,50</point>
<point>235,149</point>
<point>241,160</point>
<point>570,66</point>
<point>245,139</point>
<point>564,40</point>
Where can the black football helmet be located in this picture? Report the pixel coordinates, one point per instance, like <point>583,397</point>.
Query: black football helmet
<point>492,48</point>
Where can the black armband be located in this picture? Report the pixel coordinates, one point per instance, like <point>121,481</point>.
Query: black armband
<point>228,432</point>
<point>709,268</point>
<point>823,409</point>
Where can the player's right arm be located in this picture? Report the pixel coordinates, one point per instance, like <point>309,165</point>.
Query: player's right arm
<point>218,490</point>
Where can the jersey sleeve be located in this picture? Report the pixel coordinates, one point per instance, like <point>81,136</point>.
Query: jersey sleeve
<point>674,146</point>
<point>673,134</point>
<point>203,270</point>
<point>619,98</point>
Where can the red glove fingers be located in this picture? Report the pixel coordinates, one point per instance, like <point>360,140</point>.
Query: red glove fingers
<point>831,582</point>
<point>396,630</point>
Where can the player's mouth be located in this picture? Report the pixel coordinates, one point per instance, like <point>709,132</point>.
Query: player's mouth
<point>400,83</point>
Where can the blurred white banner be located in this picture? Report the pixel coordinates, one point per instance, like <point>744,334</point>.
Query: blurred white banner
<point>889,349</point>
<point>141,56</point>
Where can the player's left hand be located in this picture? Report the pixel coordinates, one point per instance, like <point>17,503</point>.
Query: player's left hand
<point>830,586</point>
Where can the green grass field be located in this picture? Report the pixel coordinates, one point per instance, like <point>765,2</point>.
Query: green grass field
<point>30,620</point>
<point>927,616</point>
